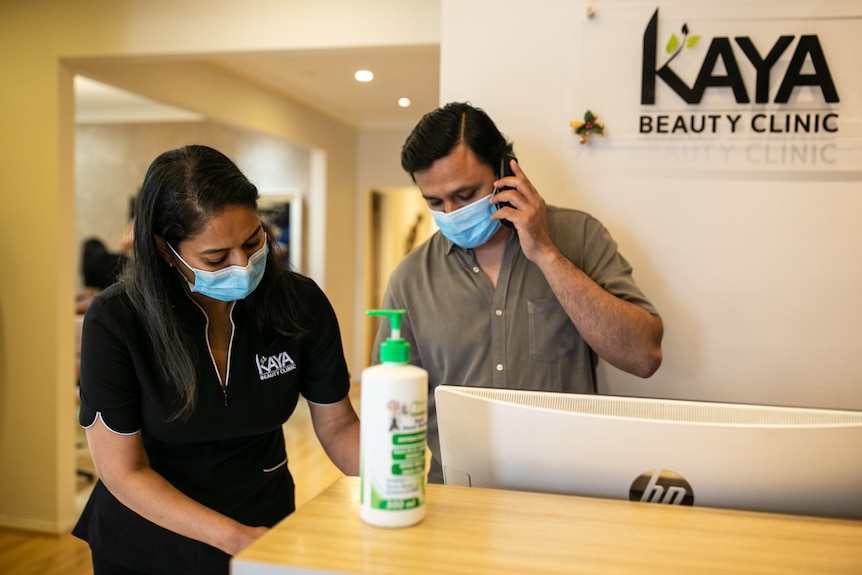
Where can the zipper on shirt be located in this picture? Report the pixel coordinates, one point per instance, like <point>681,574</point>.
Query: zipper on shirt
<point>229,353</point>
<point>227,365</point>
<point>223,384</point>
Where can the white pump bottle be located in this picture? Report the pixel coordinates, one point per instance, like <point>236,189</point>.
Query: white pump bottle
<point>393,424</point>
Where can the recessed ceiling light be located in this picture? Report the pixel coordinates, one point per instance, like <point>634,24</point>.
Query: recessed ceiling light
<point>404,102</point>
<point>363,76</point>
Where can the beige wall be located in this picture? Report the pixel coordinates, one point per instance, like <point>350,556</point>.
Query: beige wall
<point>144,47</point>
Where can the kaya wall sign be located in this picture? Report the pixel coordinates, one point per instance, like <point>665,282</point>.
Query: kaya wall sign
<point>758,86</point>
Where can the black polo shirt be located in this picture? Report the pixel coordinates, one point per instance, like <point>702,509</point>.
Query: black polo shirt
<point>230,454</point>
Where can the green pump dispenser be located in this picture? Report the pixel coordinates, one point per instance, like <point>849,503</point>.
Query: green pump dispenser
<point>394,349</point>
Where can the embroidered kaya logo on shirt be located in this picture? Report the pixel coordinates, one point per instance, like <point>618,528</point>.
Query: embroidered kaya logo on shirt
<point>269,366</point>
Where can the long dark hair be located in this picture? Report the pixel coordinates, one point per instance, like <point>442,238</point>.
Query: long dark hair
<point>182,190</point>
<point>441,130</point>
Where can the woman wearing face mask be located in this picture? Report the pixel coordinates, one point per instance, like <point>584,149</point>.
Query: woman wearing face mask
<point>190,365</point>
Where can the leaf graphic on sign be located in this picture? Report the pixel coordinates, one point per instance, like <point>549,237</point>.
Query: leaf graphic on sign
<point>675,46</point>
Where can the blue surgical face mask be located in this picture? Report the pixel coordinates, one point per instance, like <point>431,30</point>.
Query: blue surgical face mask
<point>230,283</point>
<point>469,226</point>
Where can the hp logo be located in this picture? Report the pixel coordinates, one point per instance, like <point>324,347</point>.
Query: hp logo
<point>661,487</point>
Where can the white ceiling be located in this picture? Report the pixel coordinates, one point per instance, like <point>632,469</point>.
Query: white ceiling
<point>320,79</point>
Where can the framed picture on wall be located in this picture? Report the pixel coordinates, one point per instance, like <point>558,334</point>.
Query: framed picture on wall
<point>282,213</point>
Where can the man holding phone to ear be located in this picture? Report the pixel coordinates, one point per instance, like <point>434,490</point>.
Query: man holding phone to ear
<point>533,304</point>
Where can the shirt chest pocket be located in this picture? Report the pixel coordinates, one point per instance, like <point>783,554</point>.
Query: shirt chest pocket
<point>552,334</point>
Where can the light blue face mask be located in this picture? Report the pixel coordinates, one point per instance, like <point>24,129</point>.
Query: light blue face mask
<point>230,283</point>
<point>469,226</point>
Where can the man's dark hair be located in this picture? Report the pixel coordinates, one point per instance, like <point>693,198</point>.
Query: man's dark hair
<point>440,131</point>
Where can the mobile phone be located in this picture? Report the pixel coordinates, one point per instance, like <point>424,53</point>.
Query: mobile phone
<point>505,171</point>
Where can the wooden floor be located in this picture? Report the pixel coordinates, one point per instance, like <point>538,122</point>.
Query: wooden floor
<point>27,553</point>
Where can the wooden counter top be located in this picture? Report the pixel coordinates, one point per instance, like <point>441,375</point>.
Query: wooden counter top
<point>488,531</point>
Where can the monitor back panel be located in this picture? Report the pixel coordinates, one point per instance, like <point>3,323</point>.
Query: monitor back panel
<point>786,460</point>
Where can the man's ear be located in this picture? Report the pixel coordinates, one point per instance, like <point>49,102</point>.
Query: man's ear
<point>164,251</point>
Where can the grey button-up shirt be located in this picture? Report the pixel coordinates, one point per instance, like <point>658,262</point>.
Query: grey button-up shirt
<point>464,331</point>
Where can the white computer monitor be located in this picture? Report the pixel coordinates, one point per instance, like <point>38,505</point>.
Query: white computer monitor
<point>762,458</point>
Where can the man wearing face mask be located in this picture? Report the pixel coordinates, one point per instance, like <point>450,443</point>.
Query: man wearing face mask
<point>510,292</point>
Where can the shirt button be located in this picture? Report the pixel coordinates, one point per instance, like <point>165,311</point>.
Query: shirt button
<point>499,367</point>
<point>498,312</point>
<point>475,269</point>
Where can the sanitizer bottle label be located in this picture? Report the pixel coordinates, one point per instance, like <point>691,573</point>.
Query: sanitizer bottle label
<point>397,479</point>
